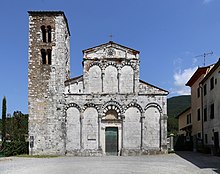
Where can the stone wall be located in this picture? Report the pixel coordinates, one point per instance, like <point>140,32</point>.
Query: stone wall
<point>46,82</point>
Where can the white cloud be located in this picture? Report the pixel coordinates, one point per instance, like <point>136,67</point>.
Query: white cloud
<point>207,1</point>
<point>180,79</point>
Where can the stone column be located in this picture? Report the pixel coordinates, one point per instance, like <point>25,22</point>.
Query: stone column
<point>81,120</point>
<point>171,142</point>
<point>142,129</point>
<point>163,132</point>
<point>134,82</point>
<point>122,132</point>
<point>99,130</point>
<point>102,77</point>
<point>119,78</point>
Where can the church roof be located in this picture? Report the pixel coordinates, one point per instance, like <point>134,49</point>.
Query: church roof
<point>73,80</point>
<point>148,84</point>
<point>112,44</point>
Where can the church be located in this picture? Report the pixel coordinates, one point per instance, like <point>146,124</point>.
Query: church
<point>108,110</point>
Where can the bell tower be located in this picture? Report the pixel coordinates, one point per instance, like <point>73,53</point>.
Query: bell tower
<point>48,69</point>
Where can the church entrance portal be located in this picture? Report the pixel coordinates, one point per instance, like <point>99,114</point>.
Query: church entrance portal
<point>111,141</point>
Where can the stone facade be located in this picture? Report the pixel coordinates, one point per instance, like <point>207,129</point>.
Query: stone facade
<point>211,109</point>
<point>46,82</point>
<point>106,106</point>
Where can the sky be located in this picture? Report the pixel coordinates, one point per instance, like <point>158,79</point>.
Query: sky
<point>171,35</point>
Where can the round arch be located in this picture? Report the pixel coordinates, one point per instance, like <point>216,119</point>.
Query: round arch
<point>136,105</point>
<point>110,64</point>
<point>112,105</point>
<point>95,64</point>
<point>92,105</point>
<point>155,105</point>
<point>128,64</point>
<point>72,105</point>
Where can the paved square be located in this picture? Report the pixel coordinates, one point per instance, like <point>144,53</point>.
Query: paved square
<point>183,163</point>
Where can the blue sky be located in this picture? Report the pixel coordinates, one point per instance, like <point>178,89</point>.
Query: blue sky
<point>168,33</point>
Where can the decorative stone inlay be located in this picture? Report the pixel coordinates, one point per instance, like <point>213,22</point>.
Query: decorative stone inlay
<point>126,63</point>
<point>155,105</point>
<point>134,104</point>
<point>110,64</point>
<point>87,105</point>
<point>72,105</point>
<point>112,105</point>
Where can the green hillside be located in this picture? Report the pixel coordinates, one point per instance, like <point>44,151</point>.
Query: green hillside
<point>175,105</point>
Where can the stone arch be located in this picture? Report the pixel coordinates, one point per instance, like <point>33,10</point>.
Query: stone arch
<point>155,105</point>
<point>95,78</point>
<point>152,126</point>
<point>126,81</point>
<point>132,127</point>
<point>72,111</point>
<point>110,79</point>
<point>95,64</point>
<point>92,105</point>
<point>128,64</point>
<point>136,105</point>
<point>112,105</point>
<point>90,128</point>
<point>72,105</point>
<point>110,64</point>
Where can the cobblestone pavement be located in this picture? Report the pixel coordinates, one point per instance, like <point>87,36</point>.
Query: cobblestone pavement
<point>180,163</point>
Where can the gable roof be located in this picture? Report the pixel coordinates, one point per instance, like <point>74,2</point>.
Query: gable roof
<point>181,113</point>
<point>211,71</point>
<point>148,84</point>
<point>112,44</point>
<point>73,80</point>
<point>200,71</point>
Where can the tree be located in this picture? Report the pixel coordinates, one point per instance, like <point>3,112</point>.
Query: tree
<point>4,118</point>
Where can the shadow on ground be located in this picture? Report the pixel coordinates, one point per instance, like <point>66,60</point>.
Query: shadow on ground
<point>203,161</point>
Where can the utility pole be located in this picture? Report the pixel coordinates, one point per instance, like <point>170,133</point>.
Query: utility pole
<point>204,56</point>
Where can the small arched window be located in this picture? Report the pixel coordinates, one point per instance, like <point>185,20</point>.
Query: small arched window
<point>44,56</point>
<point>49,33</point>
<point>49,56</point>
<point>43,30</point>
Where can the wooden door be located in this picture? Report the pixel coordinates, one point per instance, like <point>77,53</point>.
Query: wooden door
<point>111,141</point>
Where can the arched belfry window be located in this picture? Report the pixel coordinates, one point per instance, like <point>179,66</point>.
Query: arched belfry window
<point>46,33</point>
<point>49,56</point>
<point>49,33</point>
<point>46,56</point>
<point>43,30</point>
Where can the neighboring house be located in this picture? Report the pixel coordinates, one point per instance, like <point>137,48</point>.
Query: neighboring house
<point>185,123</point>
<point>211,108</point>
<point>184,138</point>
<point>205,108</point>
<point>196,106</point>
<point>107,110</point>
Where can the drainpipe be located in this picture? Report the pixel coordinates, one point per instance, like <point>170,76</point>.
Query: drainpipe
<point>160,132</point>
<point>201,88</point>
